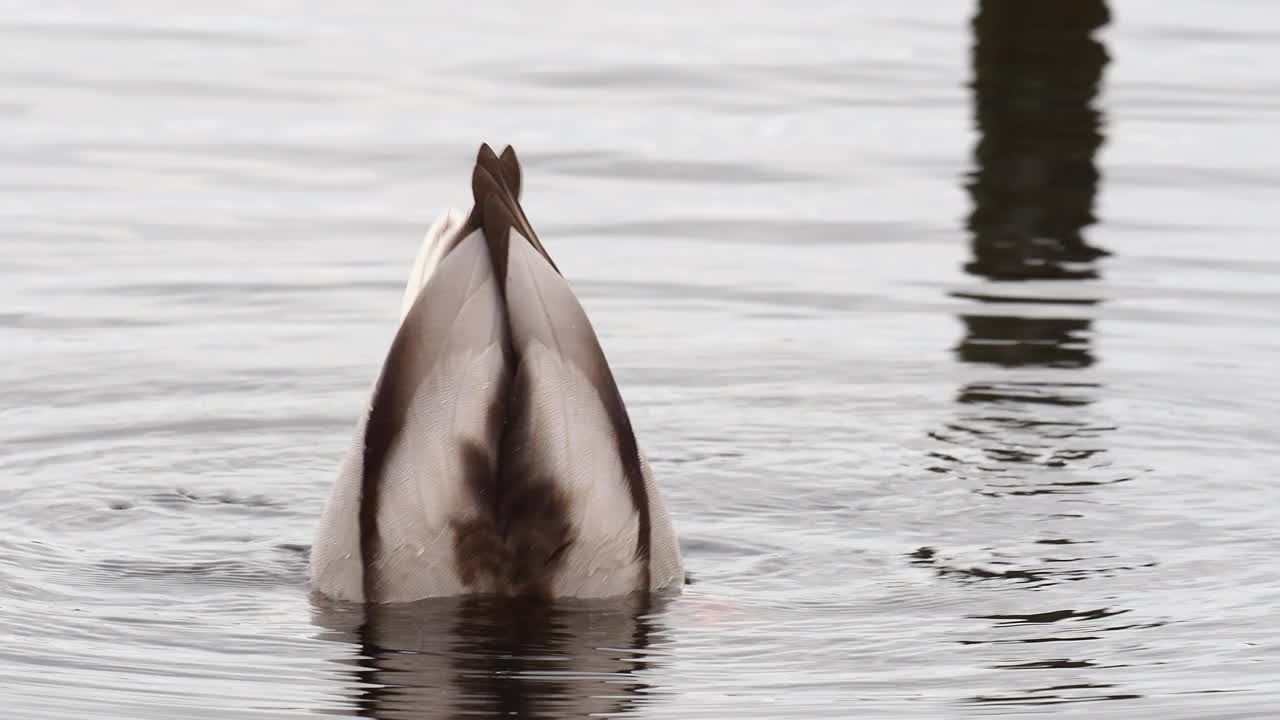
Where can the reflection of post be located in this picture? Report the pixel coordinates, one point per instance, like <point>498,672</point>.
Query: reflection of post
<point>1012,341</point>
<point>1027,436</point>
<point>1037,70</point>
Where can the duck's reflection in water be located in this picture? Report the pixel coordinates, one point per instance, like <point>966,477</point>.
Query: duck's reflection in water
<point>474,657</point>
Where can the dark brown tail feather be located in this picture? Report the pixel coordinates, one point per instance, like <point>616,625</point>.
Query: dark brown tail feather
<point>511,170</point>
<point>495,184</point>
<point>502,211</point>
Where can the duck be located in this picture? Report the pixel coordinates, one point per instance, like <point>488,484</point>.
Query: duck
<point>495,455</point>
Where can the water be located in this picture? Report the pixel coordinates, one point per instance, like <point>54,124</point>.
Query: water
<point>957,365</point>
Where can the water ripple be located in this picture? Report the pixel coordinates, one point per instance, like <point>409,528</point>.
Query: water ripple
<point>949,330</point>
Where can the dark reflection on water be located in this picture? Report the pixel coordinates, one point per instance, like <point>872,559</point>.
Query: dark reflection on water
<point>484,657</point>
<point>1024,433</point>
<point>1037,70</point>
<point>1014,341</point>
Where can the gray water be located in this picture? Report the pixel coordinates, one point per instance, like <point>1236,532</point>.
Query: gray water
<point>954,345</point>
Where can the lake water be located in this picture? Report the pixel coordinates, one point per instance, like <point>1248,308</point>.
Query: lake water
<point>951,329</point>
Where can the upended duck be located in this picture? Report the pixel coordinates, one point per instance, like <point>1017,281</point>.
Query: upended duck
<point>496,455</point>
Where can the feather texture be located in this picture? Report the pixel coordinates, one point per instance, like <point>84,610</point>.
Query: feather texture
<point>496,455</point>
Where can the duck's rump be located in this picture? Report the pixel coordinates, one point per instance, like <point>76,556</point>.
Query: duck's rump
<point>496,455</point>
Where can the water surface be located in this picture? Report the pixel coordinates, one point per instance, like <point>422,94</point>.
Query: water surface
<point>950,330</point>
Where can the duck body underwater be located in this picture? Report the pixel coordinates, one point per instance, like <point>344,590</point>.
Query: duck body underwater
<point>496,456</point>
